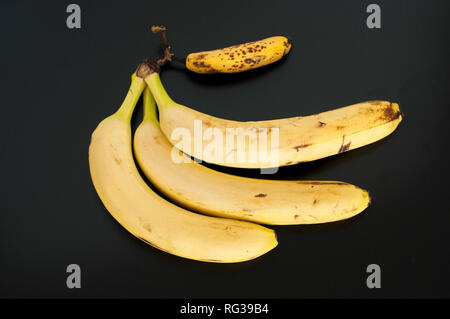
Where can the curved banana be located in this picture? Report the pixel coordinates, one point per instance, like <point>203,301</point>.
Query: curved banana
<point>263,201</point>
<point>292,140</point>
<point>241,57</point>
<point>151,218</point>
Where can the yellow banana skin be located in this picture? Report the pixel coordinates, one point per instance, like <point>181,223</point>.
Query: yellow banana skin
<point>241,57</point>
<point>301,139</point>
<point>153,219</point>
<point>199,188</point>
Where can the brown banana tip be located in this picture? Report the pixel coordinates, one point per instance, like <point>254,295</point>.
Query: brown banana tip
<point>399,113</point>
<point>146,68</point>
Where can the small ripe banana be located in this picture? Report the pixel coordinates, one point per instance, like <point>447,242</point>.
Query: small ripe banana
<point>151,218</point>
<point>199,188</point>
<point>241,57</point>
<point>300,139</point>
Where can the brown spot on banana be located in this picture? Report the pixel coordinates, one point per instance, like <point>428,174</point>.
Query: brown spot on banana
<point>201,56</point>
<point>241,57</point>
<point>206,68</point>
<point>211,260</point>
<point>390,114</point>
<point>260,195</point>
<point>301,146</point>
<point>117,160</point>
<point>148,228</point>
<point>344,147</point>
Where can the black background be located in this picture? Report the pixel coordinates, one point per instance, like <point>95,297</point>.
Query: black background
<point>59,83</point>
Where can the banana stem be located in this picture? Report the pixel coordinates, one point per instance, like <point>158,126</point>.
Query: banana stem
<point>168,55</point>
<point>178,59</point>
<point>159,93</point>
<point>149,107</point>
<point>126,109</point>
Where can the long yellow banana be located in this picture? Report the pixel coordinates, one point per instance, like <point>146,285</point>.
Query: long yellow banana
<point>299,139</point>
<point>264,201</point>
<point>239,58</point>
<point>151,218</point>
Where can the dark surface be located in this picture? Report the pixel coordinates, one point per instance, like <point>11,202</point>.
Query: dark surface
<point>60,83</point>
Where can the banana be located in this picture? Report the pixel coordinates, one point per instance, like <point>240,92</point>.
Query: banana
<point>151,218</point>
<point>241,57</point>
<point>294,140</point>
<point>199,188</point>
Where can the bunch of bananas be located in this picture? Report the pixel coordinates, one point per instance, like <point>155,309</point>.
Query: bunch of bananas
<point>224,227</point>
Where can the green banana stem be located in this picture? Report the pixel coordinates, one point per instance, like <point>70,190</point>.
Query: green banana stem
<point>126,109</point>
<point>149,107</point>
<point>158,91</point>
